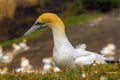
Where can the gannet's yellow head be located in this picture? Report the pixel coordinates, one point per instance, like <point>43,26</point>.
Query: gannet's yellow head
<point>111,46</point>
<point>47,19</point>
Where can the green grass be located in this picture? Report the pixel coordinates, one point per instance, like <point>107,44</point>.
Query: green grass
<point>71,21</point>
<point>109,71</point>
<point>77,20</point>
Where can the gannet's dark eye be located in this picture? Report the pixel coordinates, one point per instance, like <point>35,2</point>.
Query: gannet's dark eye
<point>38,23</point>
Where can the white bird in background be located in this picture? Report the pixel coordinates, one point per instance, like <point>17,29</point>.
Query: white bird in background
<point>1,52</point>
<point>55,69</point>
<point>49,65</point>
<point>24,65</point>
<point>23,45</point>
<point>46,67</point>
<point>7,58</point>
<point>4,70</point>
<point>16,47</point>
<point>48,60</point>
<point>109,51</point>
<point>64,54</point>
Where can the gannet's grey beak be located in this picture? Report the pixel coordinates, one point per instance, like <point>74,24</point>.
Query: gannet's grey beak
<point>35,26</point>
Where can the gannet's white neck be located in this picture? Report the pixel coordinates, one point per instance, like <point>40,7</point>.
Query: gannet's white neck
<point>60,38</point>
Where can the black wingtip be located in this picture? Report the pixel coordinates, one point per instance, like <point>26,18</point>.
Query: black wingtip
<point>111,62</point>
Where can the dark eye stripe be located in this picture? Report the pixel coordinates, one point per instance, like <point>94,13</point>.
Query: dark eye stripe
<point>38,23</point>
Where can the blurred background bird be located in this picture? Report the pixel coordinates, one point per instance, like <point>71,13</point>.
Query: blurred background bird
<point>24,65</point>
<point>4,70</point>
<point>7,58</point>
<point>16,47</point>
<point>109,51</point>
<point>49,65</point>
<point>23,45</point>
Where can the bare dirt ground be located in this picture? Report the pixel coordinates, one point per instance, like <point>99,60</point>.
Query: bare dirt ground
<point>95,34</point>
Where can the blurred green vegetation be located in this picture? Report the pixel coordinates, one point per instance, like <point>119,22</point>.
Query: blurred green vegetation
<point>98,72</point>
<point>16,16</point>
<point>80,19</point>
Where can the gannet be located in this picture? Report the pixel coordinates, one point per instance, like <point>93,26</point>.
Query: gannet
<point>23,44</point>
<point>64,54</point>
<point>16,47</point>
<point>56,69</point>
<point>48,60</point>
<point>109,51</point>
<point>7,58</point>
<point>4,70</point>
<point>49,65</point>
<point>46,67</point>
<point>24,65</point>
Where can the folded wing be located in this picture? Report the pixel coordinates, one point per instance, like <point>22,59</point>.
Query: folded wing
<point>83,57</point>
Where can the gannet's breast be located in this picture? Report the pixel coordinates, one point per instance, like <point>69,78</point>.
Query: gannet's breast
<point>63,59</point>
<point>64,62</point>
